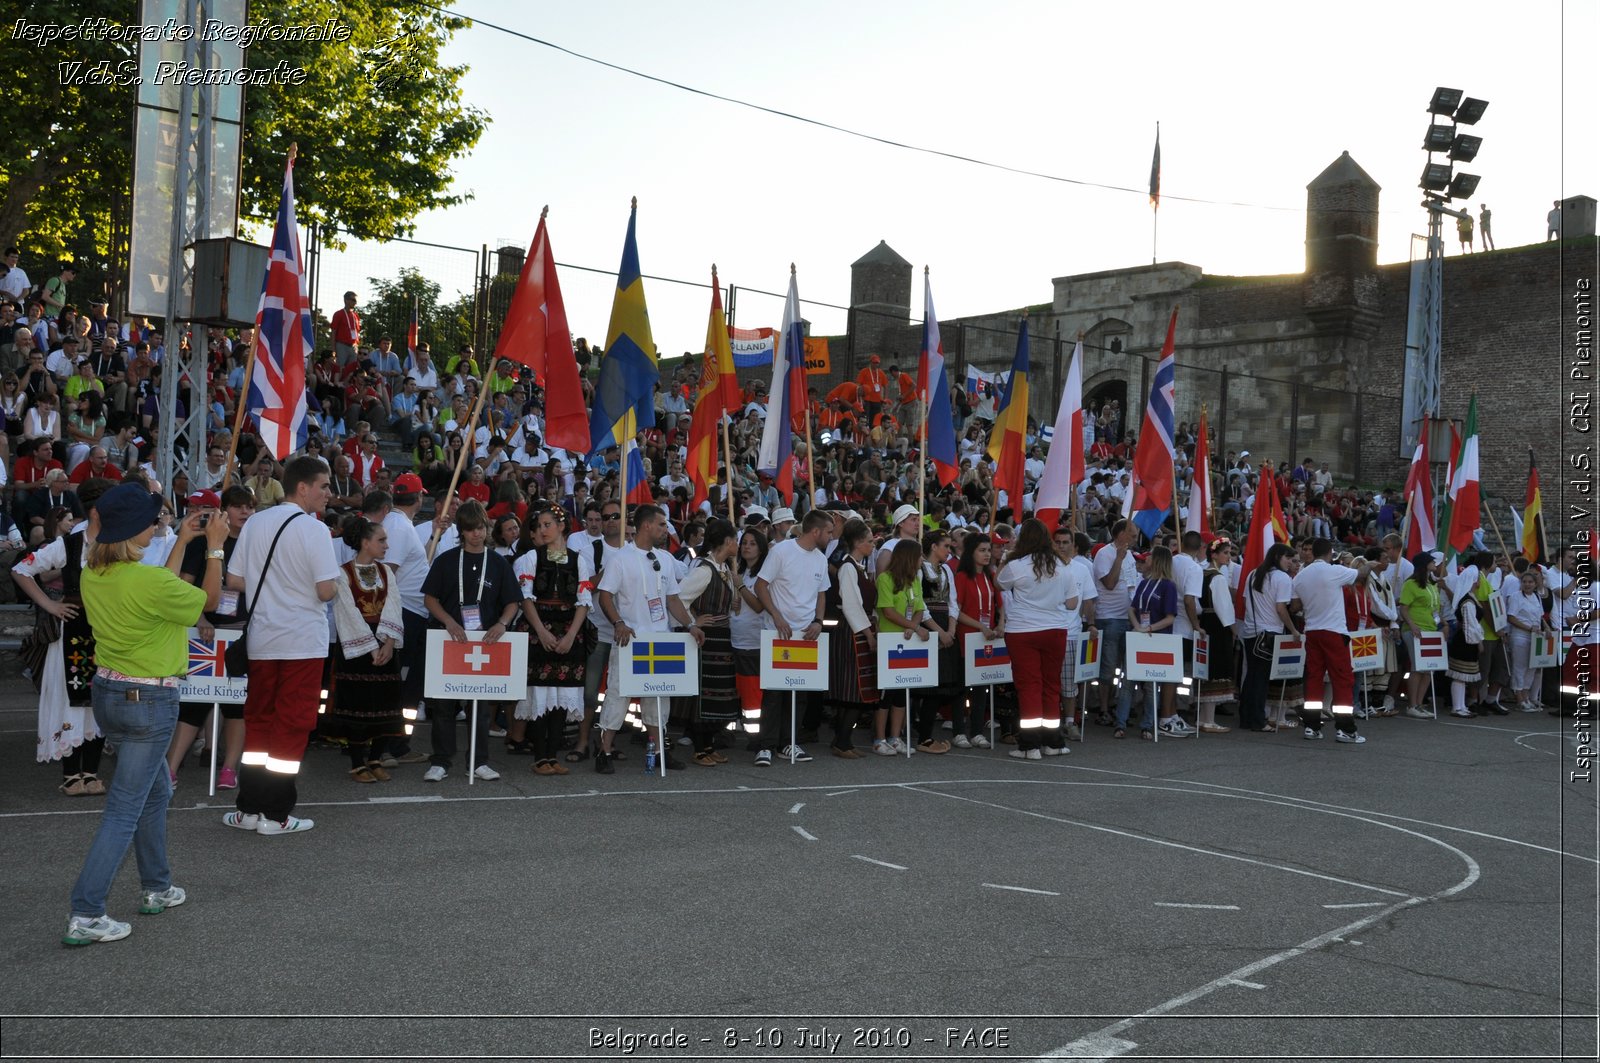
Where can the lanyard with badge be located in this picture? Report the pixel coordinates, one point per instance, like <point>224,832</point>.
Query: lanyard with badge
<point>657,603</point>
<point>470,618</point>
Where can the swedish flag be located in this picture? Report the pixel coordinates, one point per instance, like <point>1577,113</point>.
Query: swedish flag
<point>624,398</point>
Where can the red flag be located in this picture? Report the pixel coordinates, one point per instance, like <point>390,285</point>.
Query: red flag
<point>1419,534</point>
<point>1266,518</point>
<point>1200,486</point>
<point>717,397</point>
<point>536,335</point>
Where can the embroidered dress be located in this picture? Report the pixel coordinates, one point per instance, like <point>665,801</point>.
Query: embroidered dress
<point>66,720</point>
<point>852,662</point>
<point>1219,687</point>
<point>719,696</point>
<point>553,579</point>
<point>364,699</point>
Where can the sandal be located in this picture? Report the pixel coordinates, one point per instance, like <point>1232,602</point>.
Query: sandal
<point>1148,736</point>
<point>362,774</point>
<point>73,785</point>
<point>706,759</point>
<point>576,756</point>
<point>1119,733</point>
<point>93,786</point>
<point>933,745</point>
<point>1103,720</point>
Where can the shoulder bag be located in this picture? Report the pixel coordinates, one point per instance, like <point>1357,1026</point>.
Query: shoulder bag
<point>237,655</point>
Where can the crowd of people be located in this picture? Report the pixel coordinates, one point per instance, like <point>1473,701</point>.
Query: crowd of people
<point>537,539</point>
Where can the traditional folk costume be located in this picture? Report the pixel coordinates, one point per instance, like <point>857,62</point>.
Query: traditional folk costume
<point>67,730</point>
<point>364,701</point>
<point>559,582</point>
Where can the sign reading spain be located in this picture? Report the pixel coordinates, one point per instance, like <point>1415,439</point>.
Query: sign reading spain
<point>660,664</point>
<point>987,660</point>
<point>476,670</point>
<point>793,664</point>
<point>905,661</point>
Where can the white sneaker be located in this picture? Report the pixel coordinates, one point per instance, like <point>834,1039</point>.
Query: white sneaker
<point>1418,714</point>
<point>1312,735</point>
<point>1034,754</point>
<point>497,732</point>
<point>1352,739</point>
<point>242,820</point>
<point>1527,706</point>
<point>1019,754</point>
<point>1462,714</point>
<point>484,773</point>
<point>1171,729</point>
<point>980,742</point>
<point>764,758</point>
<point>1052,751</point>
<point>293,825</point>
<point>798,755</point>
<point>154,902</point>
<point>435,774</point>
<point>461,715</point>
<point>882,748</point>
<point>1072,732</point>
<point>197,747</point>
<point>81,931</point>
<point>961,742</point>
<point>1388,704</point>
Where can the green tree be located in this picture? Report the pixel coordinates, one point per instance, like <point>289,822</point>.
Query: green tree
<point>379,120</point>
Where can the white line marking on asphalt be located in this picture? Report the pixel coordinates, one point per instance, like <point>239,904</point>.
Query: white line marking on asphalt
<point>1093,1049</point>
<point>1208,907</point>
<point>416,800</point>
<point>880,863</point>
<point>1363,904</point>
<point>1021,889</point>
<point>797,808</point>
<point>1165,842</point>
<point>839,793</point>
<point>1247,985</point>
<point>807,835</point>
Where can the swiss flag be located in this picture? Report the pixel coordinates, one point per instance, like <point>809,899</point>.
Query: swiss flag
<point>477,660</point>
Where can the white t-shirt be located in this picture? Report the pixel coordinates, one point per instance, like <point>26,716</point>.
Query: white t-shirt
<point>640,588</point>
<point>794,576</point>
<point>1034,603</point>
<point>1113,602</point>
<point>1320,588</point>
<point>1261,614</point>
<point>1556,580</point>
<point>1082,570</point>
<point>1190,579</point>
<point>290,622</point>
<point>409,560</point>
<point>744,626</point>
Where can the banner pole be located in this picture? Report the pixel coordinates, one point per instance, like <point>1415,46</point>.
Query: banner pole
<point>991,715</point>
<point>472,755</point>
<point>216,736</point>
<point>908,723</point>
<point>241,401</point>
<point>727,474</point>
<point>794,697</point>
<point>469,444</point>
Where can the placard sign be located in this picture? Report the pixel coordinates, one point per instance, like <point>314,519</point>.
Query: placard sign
<point>794,664</point>
<point>1366,650</point>
<point>206,679</point>
<point>1087,648</point>
<point>1154,658</point>
<point>905,661</point>
<point>659,664</point>
<point>987,660</point>
<point>476,670</point>
<point>1545,651</point>
<point>1288,657</point>
<point>1428,652</point>
<point>1202,656</point>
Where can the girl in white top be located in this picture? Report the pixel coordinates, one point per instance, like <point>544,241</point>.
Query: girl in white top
<point>1040,592</point>
<point>1268,591</point>
<point>1525,616</point>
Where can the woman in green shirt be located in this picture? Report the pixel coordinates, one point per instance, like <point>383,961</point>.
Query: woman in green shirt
<point>1419,608</point>
<point>900,609</point>
<point>145,612</point>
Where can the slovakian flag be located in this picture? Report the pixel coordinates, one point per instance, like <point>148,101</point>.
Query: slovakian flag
<point>477,660</point>
<point>794,655</point>
<point>1200,485</point>
<point>536,335</point>
<point>785,396</point>
<point>1010,431</point>
<point>990,655</point>
<point>284,339</point>
<point>1064,464</point>
<point>933,388</point>
<point>908,659</point>
<point>207,659</point>
<point>659,658</point>
<point>1150,501</point>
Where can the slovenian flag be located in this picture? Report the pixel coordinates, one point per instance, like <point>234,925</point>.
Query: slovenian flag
<point>908,660</point>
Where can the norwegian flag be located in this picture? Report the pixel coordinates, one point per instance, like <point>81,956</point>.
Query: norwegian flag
<point>208,659</point>
<point>284,339</point>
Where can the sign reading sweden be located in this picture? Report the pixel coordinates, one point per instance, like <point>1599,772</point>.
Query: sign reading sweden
<point>660,664</point>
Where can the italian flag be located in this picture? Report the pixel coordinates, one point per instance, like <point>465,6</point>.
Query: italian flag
<point>1464,493</point>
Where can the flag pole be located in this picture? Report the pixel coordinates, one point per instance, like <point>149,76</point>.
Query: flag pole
<point>622,473</point>
<point>727,470</point>
<point>1496,526</point>
<point>922,433</point>
<point>469,444</point>
<point>1544,536</point>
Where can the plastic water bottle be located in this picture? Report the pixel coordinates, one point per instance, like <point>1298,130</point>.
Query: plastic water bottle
<point>650,755</point>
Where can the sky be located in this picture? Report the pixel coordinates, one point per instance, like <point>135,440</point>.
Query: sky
<point>1253,100</point>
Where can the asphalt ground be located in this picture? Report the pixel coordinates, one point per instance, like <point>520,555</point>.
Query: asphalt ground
<point>1428,895</point>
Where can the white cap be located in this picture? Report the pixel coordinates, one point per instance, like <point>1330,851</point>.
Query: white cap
<point>781,514</point>
<point>902,513</point>
<point>754,514</point>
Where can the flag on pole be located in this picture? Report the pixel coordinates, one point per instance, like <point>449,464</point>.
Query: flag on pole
<point>1011,428</point>
<point>1442,526</point>
<point>284,338</point>
<point>1419,498</point>
<point>639,493</point>
<point>1155,172</point>
<point>1266,528</point>
<point>1532,534</point>
<point>1465,518</point>
<point>411,332</point>
<point>1064,464</point>
<point>1150,501</point>
<point>717,396</point>
<point>933,388</point>
<point>777,437</point>
<point>536,335</point>
<point>1200,485</point>
<point>624,399</point>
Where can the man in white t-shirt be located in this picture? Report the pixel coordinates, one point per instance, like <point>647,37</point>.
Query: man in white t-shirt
<point>792,585</point>
<point>409,559</point>
<point>1319,587</point>
<point>602,550</point>
<point>638,595</point>
<point>1067,545</point>
<point>1115,577</point>
<point>288,643</point>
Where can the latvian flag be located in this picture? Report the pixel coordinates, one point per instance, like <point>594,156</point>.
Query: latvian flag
<point>989,655</point>
<point>1430,646</point>
<point>908,659</point>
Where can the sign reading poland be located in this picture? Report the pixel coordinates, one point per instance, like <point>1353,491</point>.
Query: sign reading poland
<point>477,670</point>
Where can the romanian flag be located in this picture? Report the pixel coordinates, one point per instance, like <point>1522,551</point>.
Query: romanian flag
<point>659,658</point>
<point>1011,428</point>
<point>717,397</point>
<point>537,336</point>
<point>624,399</point>
<point>1150,501</point>
<point>795,655</point>
<point>908,659</point>
<point>1533,516</point>
<point>1088,649</point>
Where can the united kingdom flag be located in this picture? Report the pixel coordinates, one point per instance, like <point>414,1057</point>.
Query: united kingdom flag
<point>207,659</point>
<point>284,339</point>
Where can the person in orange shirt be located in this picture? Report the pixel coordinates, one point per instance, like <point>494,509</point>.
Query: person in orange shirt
<point>906,403</point>
<point>873,383</point>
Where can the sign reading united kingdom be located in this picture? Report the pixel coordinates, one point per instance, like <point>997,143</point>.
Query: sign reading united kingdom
<point>987,660</point>
<point>660,664</point>
<point>905,661</point>
<point>793,664</point>
<point>206,678</point>
<point>476,670</point>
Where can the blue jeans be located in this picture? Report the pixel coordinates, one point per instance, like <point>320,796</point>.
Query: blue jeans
<point>1113,655</point>
<point>136,803</point>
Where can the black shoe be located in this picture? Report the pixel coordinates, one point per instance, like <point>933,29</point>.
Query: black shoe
<point>674,764</point>
<point>602,764</point>
<point>520,749</point>
<point>1223,710</point>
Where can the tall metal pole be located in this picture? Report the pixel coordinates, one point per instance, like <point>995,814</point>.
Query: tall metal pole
<point>1432,299</point>
<point>172,361</point>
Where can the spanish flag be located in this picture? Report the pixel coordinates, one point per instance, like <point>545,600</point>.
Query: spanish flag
<point>796,655</point>
<point>624,399</point>
<point>717,397</point>
<point>1533,516</point>
<point>1007,438</point>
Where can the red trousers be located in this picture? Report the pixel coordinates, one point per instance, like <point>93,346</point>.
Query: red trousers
<point>280,712</point>
<point>1036,658</point>
<point>1328,651</point>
